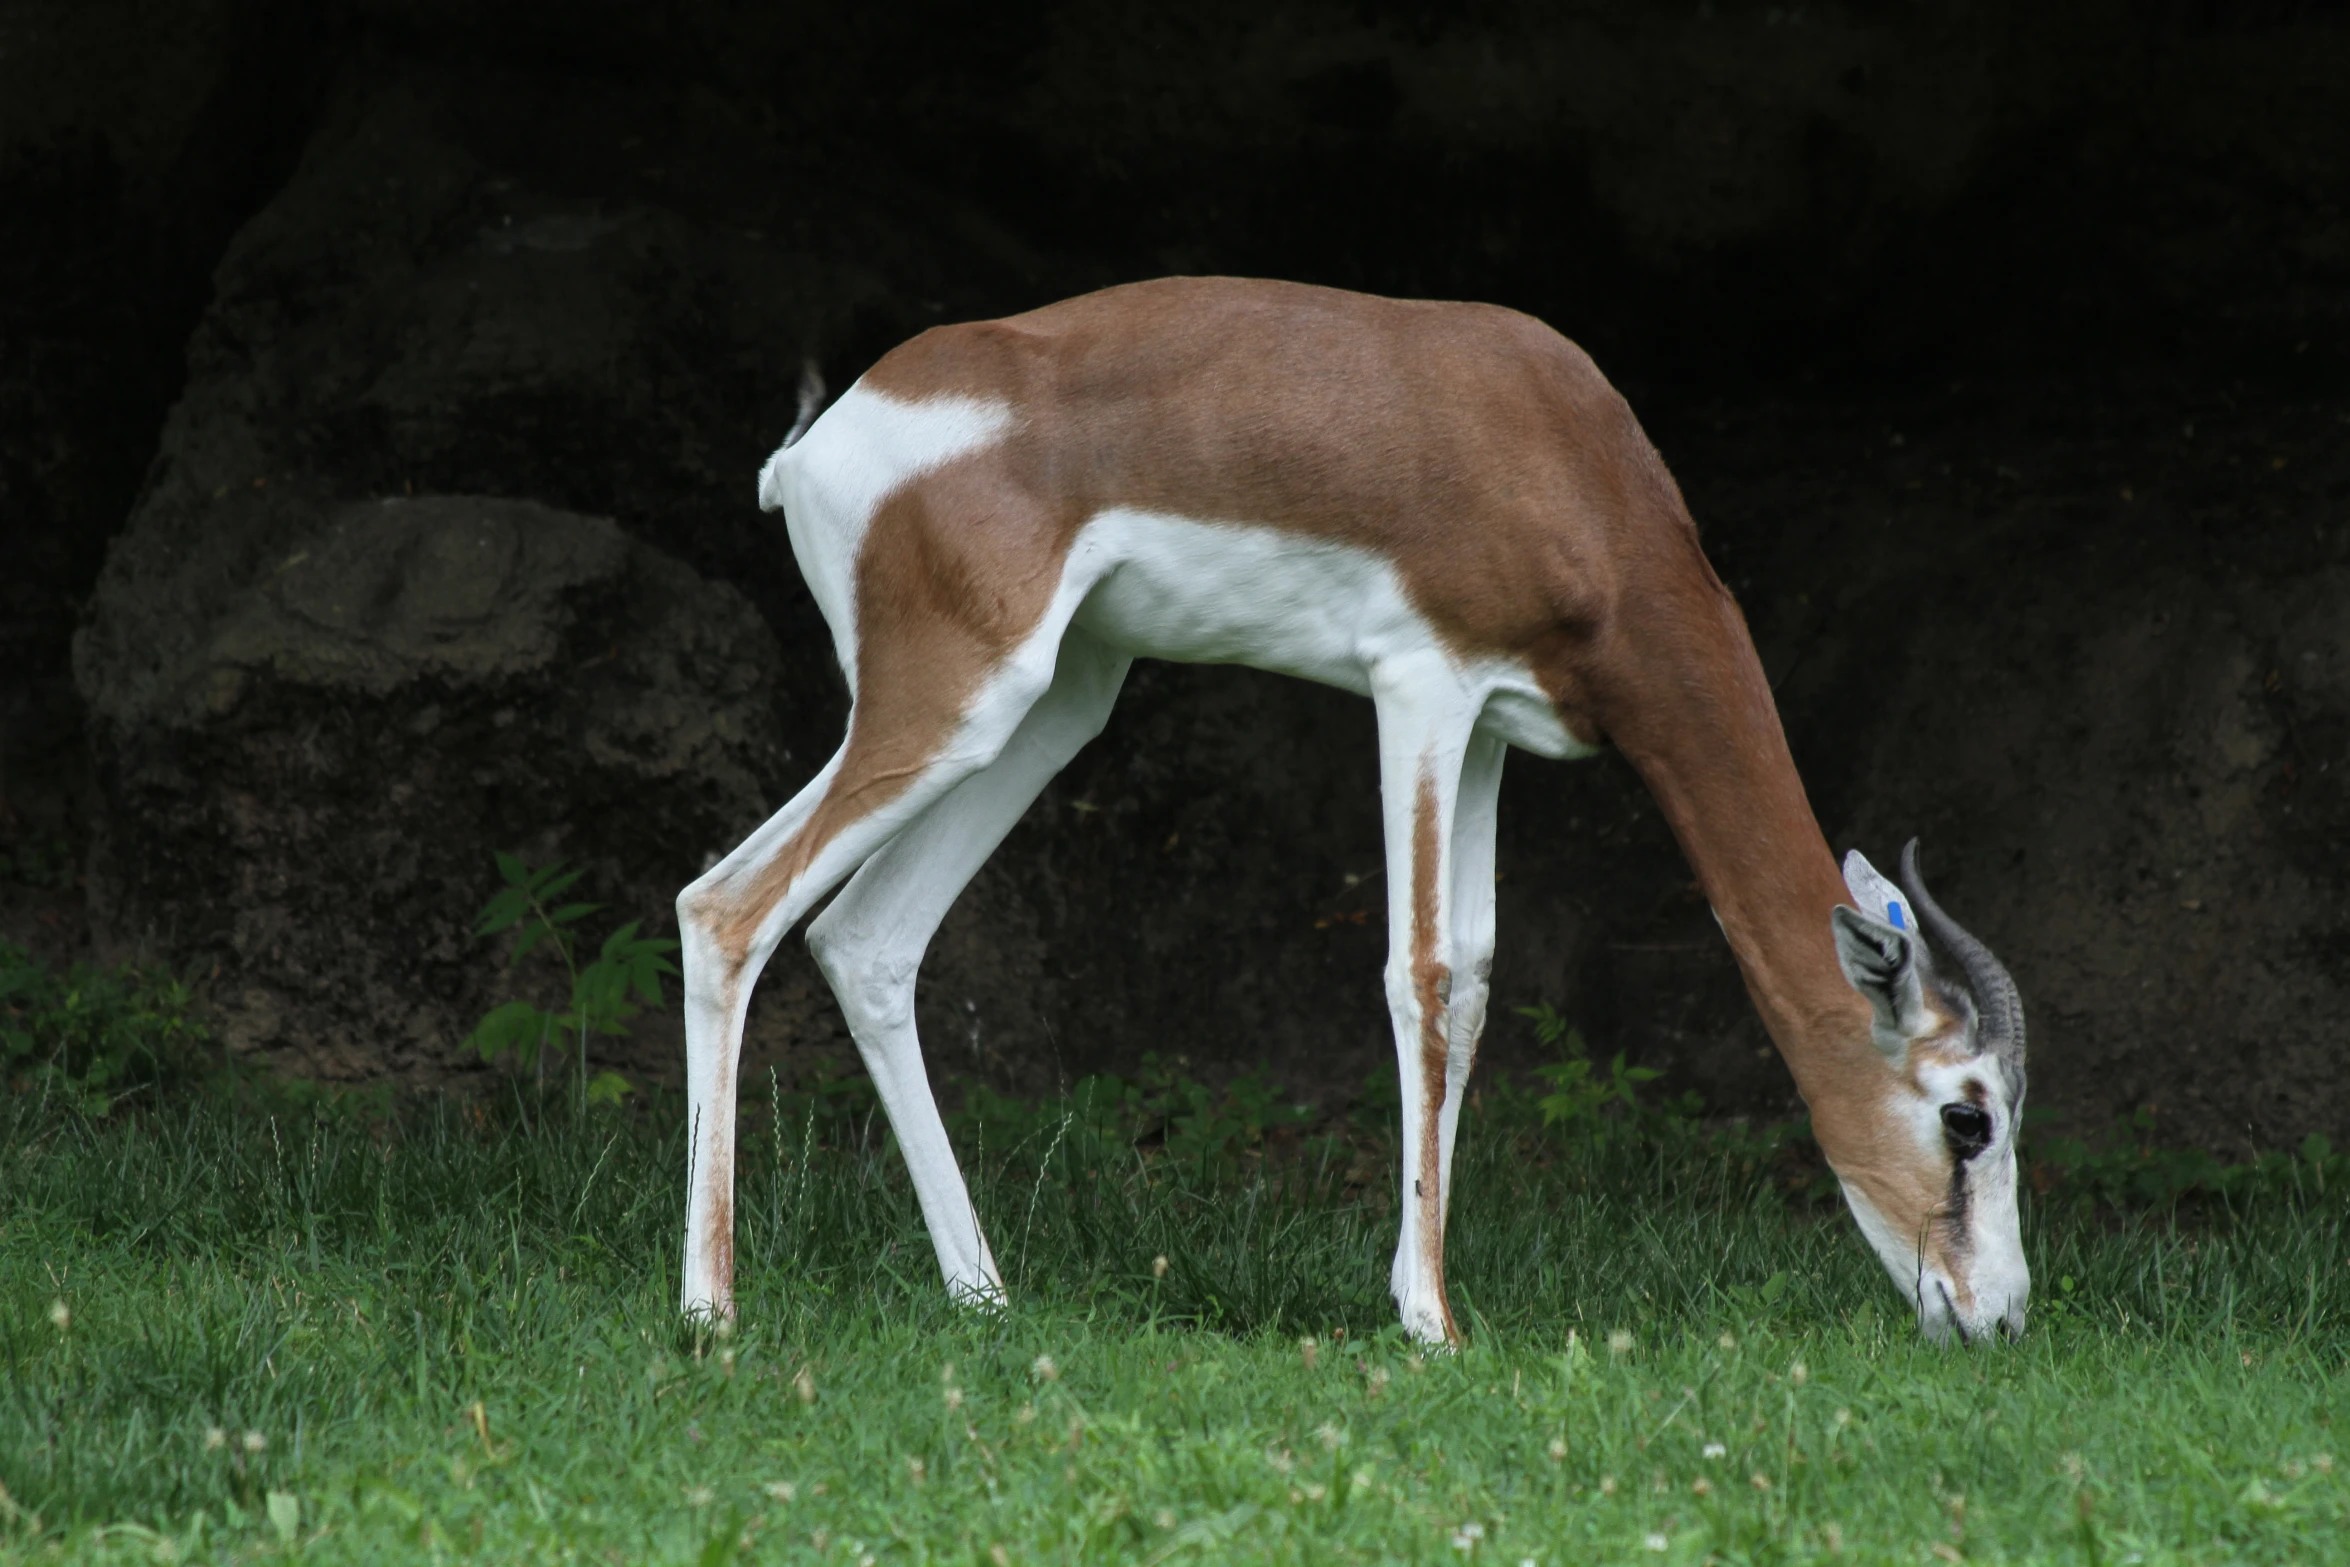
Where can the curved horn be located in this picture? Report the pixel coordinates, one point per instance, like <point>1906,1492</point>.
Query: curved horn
<point>1996,998</point>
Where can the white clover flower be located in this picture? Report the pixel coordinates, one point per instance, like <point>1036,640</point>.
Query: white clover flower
<point>1620,1342</point>
<point>1044,1370</point>
<point>1657,1542</point>
<point>1716,1450</point>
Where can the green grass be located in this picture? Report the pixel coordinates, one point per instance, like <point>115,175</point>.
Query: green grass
<point>455,1340</point>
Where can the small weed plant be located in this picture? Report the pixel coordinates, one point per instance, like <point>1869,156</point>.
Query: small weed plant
<point>1585,1101</point>
<point>92,1038</point>
<point>602,994</point>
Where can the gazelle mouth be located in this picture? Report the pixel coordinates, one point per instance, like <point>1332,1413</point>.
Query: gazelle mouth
<point>1950,1310</point>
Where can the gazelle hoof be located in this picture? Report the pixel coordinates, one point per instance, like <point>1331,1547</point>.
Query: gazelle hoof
<point>981,1295</point>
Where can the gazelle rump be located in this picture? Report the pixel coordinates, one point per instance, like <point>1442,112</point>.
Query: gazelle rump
<point>1444,507</point>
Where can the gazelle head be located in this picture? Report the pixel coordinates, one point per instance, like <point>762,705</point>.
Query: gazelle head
<point>1929,1166</point>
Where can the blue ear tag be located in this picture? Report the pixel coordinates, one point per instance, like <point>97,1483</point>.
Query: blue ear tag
<point>1893,916</point>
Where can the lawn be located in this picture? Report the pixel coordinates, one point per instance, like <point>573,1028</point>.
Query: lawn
<point>245,1326</point>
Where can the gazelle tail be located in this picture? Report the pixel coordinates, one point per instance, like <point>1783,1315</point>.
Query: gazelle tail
<point>811,401</point>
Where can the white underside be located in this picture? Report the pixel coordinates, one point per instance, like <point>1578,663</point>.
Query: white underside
<point>1228,591</point>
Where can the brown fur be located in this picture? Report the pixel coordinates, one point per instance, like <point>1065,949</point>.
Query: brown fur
<point>1432,990</point>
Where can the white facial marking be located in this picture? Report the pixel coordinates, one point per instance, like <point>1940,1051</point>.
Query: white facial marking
<point>1987,1282</point>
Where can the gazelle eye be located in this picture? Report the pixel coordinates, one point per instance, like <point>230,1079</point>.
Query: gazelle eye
<point>1968,1127</point>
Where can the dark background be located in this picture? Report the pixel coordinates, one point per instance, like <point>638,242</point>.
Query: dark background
<point>1999,347</point>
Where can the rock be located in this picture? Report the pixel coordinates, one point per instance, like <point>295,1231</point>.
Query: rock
<point>306,799</point>
<point>315,711</point>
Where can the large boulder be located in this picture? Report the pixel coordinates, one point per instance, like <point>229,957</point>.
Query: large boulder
<point>316,704</point>
<point>307,795</point>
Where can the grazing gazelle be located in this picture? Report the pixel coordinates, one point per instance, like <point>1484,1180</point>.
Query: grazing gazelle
<point>1443,507</point>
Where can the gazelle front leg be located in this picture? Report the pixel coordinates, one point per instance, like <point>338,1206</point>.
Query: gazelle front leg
<point>1476,816</point>
<point>1425,722</point>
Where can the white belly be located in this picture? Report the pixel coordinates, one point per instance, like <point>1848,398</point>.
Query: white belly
<point>1163,586</point>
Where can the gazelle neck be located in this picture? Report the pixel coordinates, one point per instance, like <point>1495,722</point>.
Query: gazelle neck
<point>1692,711</point>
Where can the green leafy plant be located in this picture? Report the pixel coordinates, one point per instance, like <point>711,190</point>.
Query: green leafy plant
<point>1754,1302</point>
<point>2129,1168</point>
<point>605,991</point>
<point>90,1037</point>
<point>1212,1130</point>
<point>1579,1091</point>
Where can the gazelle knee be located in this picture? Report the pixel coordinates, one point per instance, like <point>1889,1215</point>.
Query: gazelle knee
<point>1421,986</point>
<point>1472,984</point>
<point>871,977</point>
<point>705,913</point>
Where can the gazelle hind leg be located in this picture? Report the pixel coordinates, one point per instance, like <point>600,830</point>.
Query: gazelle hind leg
<point>730,919</point>
<point>1476,816</point>
<point>1425,723</point>
<point>871,940</point>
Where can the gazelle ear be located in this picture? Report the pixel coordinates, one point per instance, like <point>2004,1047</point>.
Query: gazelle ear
<point>1874,896</point>
<point>1882,964</point>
